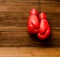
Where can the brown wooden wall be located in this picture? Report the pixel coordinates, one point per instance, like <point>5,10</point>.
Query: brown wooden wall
<point>13,22</point>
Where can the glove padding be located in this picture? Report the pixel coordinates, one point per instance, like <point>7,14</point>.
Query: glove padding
<point>33,22</point>
<point>44,30</point>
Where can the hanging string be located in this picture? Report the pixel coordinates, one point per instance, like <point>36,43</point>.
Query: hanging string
<point>39,5</point>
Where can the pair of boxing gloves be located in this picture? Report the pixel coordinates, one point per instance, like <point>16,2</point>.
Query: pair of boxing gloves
<point>38,24</point>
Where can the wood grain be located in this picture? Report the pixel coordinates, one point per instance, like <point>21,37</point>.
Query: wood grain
<point>13,23</point>
<point>29,52</point>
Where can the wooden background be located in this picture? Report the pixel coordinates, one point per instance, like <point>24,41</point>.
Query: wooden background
<point>14,38</point>
<point>13,22</point>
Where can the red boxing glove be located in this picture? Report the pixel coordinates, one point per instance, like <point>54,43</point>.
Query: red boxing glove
<point>33,22</point>
<point>44,30</point>
<point>34,12</point>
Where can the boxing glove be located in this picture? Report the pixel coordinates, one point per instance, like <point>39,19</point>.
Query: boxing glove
<point>34,12</point>
<point>33,22</point>
<point>44,30</point>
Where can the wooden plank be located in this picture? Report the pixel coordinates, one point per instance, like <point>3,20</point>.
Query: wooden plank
<point>13,23</point>
<point>17,6</point>
<point>16,19</point>
<point>49,6</point>
<point>29,52</point>
<point>18,36</point>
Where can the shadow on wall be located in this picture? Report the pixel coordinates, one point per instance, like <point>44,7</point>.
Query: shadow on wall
<point>50,42</point>
<point>43,43</point>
